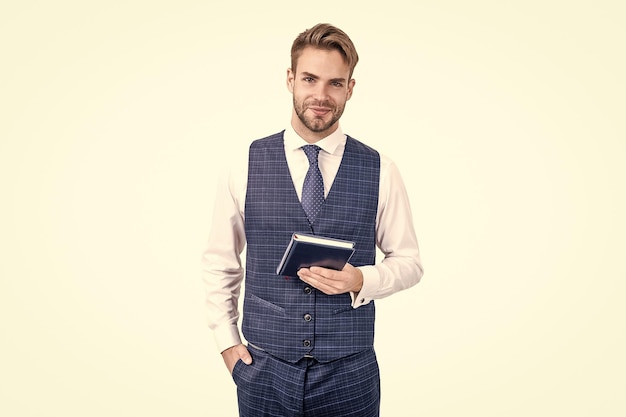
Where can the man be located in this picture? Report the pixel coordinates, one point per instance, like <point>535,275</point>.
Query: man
<point>310,338</point>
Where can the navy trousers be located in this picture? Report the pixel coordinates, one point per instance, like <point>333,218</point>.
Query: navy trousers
<point>270,387</point>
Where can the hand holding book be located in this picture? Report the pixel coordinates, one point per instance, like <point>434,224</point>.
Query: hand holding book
<point>332,282</point>
<point>305,251</point>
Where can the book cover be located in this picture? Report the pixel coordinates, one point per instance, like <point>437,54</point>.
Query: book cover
<point>306,250</point>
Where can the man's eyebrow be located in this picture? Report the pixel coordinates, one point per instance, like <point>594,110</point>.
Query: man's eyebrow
<point>308,74</point>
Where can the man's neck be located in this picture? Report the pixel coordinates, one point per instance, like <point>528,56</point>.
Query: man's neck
<point>308,135</point>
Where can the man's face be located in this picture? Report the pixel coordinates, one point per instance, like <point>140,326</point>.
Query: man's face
<point>320,88</point>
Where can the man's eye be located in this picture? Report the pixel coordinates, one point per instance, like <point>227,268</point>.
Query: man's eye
<point>308,79</point>
<point>337,84</point>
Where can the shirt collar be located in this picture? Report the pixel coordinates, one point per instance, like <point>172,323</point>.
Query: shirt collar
<point>328,144</point>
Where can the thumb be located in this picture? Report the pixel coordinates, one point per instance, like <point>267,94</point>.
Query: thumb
<point>245,356</point>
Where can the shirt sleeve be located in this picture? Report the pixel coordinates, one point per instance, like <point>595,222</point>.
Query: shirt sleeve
<point>401,267</point>
<point>222,270</point>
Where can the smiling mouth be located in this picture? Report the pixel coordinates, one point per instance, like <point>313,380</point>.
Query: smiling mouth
<point>320,111</point>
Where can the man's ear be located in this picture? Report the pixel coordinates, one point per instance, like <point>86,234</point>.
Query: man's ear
<point>351,84</point>
<point>290,79</point>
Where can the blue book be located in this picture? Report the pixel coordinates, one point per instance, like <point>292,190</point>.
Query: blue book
<point>306,250</point>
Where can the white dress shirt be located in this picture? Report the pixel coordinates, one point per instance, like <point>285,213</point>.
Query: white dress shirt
<point>223,272</point>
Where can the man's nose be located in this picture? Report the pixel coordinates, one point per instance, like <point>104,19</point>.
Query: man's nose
<point>321,91</point>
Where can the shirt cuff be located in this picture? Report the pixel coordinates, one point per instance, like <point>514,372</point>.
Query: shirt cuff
<point>226,336</point>
<point>371,282</point>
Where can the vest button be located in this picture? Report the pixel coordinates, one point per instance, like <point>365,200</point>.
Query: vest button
<point>308,290</point>
<point>306,343</point>
<point>308,317</point>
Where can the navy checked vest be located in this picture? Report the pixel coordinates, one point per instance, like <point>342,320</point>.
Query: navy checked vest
<point>283,315</point>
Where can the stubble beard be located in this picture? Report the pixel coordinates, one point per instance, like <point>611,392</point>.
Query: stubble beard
<point>317,124</point>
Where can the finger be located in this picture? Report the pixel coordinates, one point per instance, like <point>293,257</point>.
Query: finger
<point>313,280</point>
<point>244,355</point>
<point>320,282</point>
<point>308,276</point>
<point>322,272</point>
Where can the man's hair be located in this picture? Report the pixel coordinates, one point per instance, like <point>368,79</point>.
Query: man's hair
<point>328,37</point>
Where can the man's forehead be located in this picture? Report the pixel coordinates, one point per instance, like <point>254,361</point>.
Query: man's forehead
<point>322,63</point>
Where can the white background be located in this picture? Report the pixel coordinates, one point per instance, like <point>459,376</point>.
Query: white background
<point>506,119</point>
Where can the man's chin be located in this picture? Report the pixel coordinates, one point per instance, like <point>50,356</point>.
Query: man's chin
<point>318,125</point>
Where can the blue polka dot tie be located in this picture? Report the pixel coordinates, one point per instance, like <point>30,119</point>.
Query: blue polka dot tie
<point>313,189</point>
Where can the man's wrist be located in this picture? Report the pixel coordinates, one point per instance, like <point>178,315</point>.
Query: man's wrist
<point>226,351</point>
<point>359,284</point>
<point>226,337</point>
<point>370,283</point>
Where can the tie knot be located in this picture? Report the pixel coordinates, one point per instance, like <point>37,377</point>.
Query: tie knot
<point>311,151</point>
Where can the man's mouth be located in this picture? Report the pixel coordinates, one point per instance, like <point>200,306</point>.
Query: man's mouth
<point>319,111</point>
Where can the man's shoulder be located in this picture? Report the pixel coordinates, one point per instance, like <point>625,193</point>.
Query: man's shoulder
<point>275,139</point>
<point>358,146</point>
<point>386,163</point>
